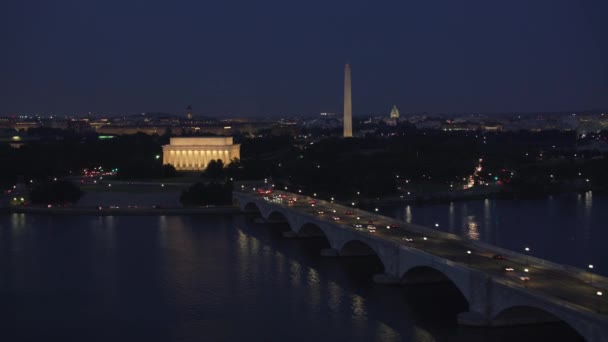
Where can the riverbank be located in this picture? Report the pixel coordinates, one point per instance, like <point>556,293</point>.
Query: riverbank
<point>87,211</point>
<point>441,197</point>
<point>469,195</point>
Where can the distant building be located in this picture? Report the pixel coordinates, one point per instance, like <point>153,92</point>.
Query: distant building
<point>194,154</point>
<point>394,113</point>
<point>492,128</point>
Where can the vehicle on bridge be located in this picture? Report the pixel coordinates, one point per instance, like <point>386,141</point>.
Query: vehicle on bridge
<point>498,290</point>
<point>264,191</point>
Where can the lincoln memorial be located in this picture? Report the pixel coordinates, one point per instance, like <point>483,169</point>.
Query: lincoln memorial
<point>193,154</point>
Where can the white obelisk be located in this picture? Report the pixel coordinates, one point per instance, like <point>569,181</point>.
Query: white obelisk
<point>348,107</point>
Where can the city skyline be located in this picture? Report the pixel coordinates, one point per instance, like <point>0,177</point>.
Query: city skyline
<point>272,59</point>
<point>348,170</point>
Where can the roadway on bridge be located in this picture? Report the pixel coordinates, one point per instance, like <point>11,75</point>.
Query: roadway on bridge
<point>546,281</point>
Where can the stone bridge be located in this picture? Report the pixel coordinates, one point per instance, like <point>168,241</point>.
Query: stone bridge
<point>495,298</point>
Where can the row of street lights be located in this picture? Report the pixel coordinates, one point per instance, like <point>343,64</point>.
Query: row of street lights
<point>598,293</point>
<point>527,250</point>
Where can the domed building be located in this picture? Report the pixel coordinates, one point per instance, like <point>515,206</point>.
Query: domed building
<point>394,113</point>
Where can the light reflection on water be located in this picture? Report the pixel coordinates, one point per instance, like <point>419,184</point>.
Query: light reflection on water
<point>335,296</point>
<point>551,226</point>
<point>452,218</point>
<point>408,214</point>
<point>18,221</point>
<point>197,278</point>
<point>472,232</point>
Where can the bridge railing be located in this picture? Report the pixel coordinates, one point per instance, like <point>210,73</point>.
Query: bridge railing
<point>589,312</point>
<point>578,273</point>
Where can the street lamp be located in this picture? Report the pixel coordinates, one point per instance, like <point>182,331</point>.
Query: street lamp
<point>436,224</point>
<point>158,156</point>
<point>424,243</point>
<point>590,274</point>
<point>599,303</point>
<point>469,258</point>
<point>527,249</point>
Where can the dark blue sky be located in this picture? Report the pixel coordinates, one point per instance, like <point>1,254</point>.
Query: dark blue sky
<point>245,58</point>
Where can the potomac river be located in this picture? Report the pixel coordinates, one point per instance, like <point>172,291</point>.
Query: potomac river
<point>226,278</point>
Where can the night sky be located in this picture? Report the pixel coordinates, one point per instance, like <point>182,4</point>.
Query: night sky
<point>271,58</point>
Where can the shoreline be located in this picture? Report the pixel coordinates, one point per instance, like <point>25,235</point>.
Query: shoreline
<point>75,211</point>
<point>442,198</point>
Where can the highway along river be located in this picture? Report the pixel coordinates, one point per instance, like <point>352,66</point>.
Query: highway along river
<point>224,278</point>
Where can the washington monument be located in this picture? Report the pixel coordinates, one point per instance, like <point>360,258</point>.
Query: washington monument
<point>348,107</point>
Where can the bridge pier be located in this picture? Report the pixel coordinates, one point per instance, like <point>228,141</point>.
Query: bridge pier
<point>355,252</point>
<point>386,279</point>
<point>301,235</point>
<point>473,319</point>
<point>418,279</point>
<point>493,300</point>
<point>330,252</point>
<point>425,279</point>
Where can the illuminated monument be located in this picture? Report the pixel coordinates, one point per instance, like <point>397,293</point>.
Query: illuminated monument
<point>348,107</point>
<point>193,154</point>
<point>394,113</point>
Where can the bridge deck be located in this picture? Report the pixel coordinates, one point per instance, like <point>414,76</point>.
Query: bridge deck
<point>568,288</point>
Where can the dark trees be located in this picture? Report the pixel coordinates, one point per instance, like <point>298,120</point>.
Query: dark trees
<point>207,194</point>
<point>59,192</point>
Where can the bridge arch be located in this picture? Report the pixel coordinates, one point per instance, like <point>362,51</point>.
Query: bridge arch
<point>251,207</point>
<point>313,230</point>
<point>358,247</point>
<point>426,274</point>
<point>277,217</point>
<point>530,314</point>
<point>310,228</point>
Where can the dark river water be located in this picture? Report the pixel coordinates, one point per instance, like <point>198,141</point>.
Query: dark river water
<point>569,229</point>
<point>85,278</point>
